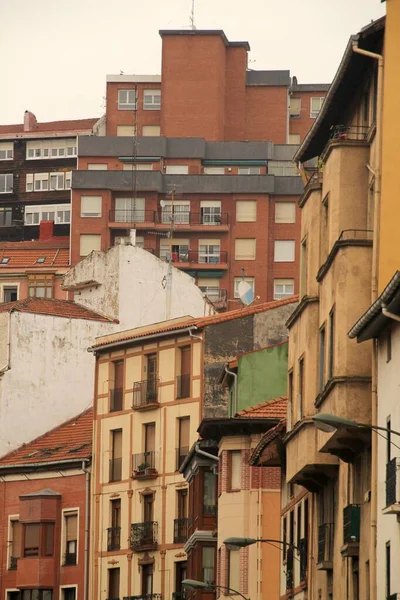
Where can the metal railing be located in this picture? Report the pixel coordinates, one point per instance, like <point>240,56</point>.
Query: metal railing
<point>194,256</point>
<point>356,234</point>
<point>13,563</point>
<point>289,568</point>
<point>116,399</point>
<point>145,393</point>
<point>214,294</point>
<point>391,483</point>
<point>144,534</point>
<point>115,473</point>
<point>165,217</point>
<point>351,524</point>
<point>181,454</point>
<point>113,538</point>
<point>144,597</point>
<point>325,542</point>
<point>131,216</point>
<point>183,386</point>
<point>181,530</point>
<point>70,558</point>
<point>303,559</point>
<point>144,463</point>
<point>349,132</point>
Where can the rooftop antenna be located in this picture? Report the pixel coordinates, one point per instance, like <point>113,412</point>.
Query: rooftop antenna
<point>192,25</point>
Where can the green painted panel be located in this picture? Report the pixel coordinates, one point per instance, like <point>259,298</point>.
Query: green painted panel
<point>262,375</point>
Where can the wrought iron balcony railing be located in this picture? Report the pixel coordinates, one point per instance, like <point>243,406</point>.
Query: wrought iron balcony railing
<point>183,386</point>
<point>289,568</point>
<point>303,559</point>
<point>181,454</point>
<point>115,469</point>
<point>113,538</point>
<point>392,482</point>
<point>131,216</point>
<point>116,399</point>
<point>145,393</point>
<point>325,542</point>
<point>144,535</point>
<point>181,530</point>
<point>13,563</point>
<point>144,465</point>
<point>194,256</point>
<point>349,132</point>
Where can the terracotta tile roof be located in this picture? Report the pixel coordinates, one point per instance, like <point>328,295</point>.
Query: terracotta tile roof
<point>198,322</point>
<point>273,409</point>
<point>70,441</point>
<point>51,126</point>
<point>25,254</point>
<point>268,437</point>
<point>52,307</point>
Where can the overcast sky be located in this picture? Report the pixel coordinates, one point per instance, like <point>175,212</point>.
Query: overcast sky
<point>55,54</point>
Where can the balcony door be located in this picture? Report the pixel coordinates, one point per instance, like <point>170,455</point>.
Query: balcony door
<point>129,210</point>
<point>113,584</point>
<point>180,575</point>
<point>117,392</point>
<point>148,508</point>
<point>147,580</point>
<point>151,377</point>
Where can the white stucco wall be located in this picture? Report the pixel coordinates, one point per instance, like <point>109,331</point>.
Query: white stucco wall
<point>51,375</point>
<point>133,287</point>
<point>388,406</point>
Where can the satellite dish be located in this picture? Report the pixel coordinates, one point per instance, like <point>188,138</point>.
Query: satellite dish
<point>246,293</point>
<point>162,203</point>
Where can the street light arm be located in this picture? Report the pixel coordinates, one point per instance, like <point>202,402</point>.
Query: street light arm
<point>377,427</point>
<point>286,544</point>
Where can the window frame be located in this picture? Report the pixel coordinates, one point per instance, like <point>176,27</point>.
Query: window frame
<point>45,281</point>
<point>91,215</point>
<point>276,246</point>
<point>153,93</point>
<point>242,256</point>
<point>314,113</point>
<point>66,512</point>
<point>128,105</point>
<point>283,294</point>
<point>250,280</point>
<point>8,189</point>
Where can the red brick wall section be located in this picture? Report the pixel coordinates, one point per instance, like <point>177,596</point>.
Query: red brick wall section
<point>244,570</point>
<point>266,113</point>
<point>271,478</point>
<point>117,117</point>
<point>235,94</point>
<point>303,123</point>
<point>193,86</point>
<point>225,472</point>
<point>224,567</point>
<point>246,470</point>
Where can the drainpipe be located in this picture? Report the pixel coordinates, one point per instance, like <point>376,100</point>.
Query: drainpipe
<point>389,314</point>
<point>374,295</point>
<point>197,337</point>
<point>203,453</point>
<point>235,386</point>
<point>86,548</point>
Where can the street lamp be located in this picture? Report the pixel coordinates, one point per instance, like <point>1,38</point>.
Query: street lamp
<point>328,423</point>
<point>197,585</point>
<point>235,543</point>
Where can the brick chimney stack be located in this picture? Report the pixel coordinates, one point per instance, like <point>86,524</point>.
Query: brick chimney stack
<point>30,121</point>
<point>46,231</point>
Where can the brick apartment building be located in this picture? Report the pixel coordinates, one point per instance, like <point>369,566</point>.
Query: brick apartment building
<point>208,179</point>
<point>44,493</point>
<point>36,161</point>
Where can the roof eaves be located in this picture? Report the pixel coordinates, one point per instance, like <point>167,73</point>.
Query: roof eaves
<point>124,341</point>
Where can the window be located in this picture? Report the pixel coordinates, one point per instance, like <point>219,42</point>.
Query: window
<point>114,533</point>
<point>126,130</point>
<point>151,130</point>
<point>291,528</point>
<point>388,440</point>
<point>177,170</point>
<point>246,211</point>
<point>249,170</point>
<point>46,149</point>
<point>16,543</point>
<point>284,251</point>
<point>245,249</point>
<point>388,344</point>
<point>116,455</point>
<point>209,493</point>
<point>57,181</point>
<point>285,212</point>
<point>284,538</point>
<point>38,539</point>
<point>148,508</point>
<point>68,593</point>
<point>5,260</point>
<point>10,293</point>
<point>117,389</point>
<point>6,216</point>
<point>97,166</point>
<point>295,107</point>
<point>88,243</point>
<point>48,541</point>
<point>151,99</point>
<point>113,584</point>
<point>36,594</point>
<point>235,482</point>
<point>126,99</point>
<point>298,523</point>
<point>70,531</point>
<point>331,343</point>
<point>178,212</point>
<point>208,561</point>
<point>294,138</point>
<point>210,288</point>
<point>147,581</point>
<point>138,167</point>
<point>91,206</point>
<point>149,438</point>
<point>60,214</point>
<point>388,570</point>
<point>249,280</point>
<point>183,382</point>
<point>315,106</point>
<point>6,183</point>
<point>182,502</point>
<point>40,286</point>
<point>321,358</point>
<point>214,170</point>
<point>290,399</point>
<point>210,212</point>
<point>6,150</point>
<point>301,388</point>
<point>282,168</point>
<point>209,251</point>
<point>183,440</point>
<point>234,569</point>
<point>130,210</point>
<point>283,288</point>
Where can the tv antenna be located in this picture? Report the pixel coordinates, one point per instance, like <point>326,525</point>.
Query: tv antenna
<point>245,291</point>
<point>192,25</point>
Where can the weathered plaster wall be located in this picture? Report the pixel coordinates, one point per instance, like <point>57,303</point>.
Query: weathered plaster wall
<point>269,326</point>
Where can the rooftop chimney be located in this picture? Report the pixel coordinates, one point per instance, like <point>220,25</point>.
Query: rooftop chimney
<point>46,231</point>
<point>30,121</point>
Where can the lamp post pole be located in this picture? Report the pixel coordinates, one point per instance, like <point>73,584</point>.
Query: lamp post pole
<point>194,584</point>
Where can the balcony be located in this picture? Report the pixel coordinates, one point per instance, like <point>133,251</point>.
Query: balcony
<point>392,487</point>
<point>181,454</point>
<point>144,465</point>
<point>289,569</point>
<point>145,394</point>
<point>69,559</point>
<point>180,530</point>
<point>115,469</point>
<point>116,399</point>
<point>303,559</point>
<point>351,530</point>
<point>125,218</point>
<point>358,133</point>
<point>190,259</point>
<point>162,221</point>
<point>216,295</point>
<point>113,538</point>
<point>13,563</point>
<point>144,536</point>
<point>183,386</point>
<point>325,547</point>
